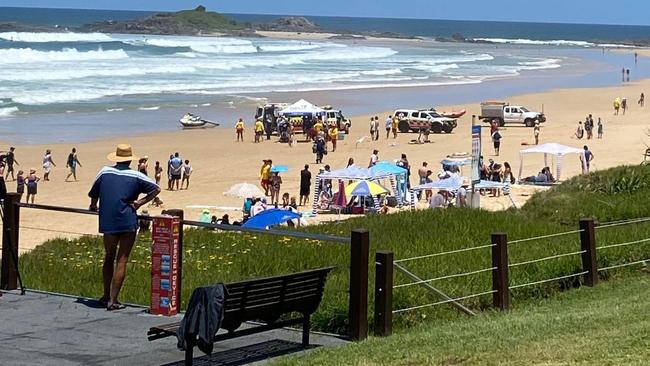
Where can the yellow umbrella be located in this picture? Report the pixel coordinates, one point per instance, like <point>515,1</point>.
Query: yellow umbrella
<point>364,188</point>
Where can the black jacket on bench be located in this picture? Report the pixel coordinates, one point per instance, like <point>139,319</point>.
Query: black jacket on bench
<point>203,318</point>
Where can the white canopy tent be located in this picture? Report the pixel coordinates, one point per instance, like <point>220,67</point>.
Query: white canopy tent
<point>302,107</point>
<point>552,148</point>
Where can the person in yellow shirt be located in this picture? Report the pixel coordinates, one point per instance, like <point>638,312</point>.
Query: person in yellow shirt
<point>259,130</point>
<point>318,127</point>
<point>265,175</point>
<point>394,127</point>
<point>239,127</point>
<point>334,135</point>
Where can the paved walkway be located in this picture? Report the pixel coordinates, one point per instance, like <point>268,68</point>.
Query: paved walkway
<point>40,329</point>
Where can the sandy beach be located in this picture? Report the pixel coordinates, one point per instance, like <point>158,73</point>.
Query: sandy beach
<point>219,162</point>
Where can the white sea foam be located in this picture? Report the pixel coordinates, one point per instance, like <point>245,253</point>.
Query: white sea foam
<point>522,41</point>
<point>71,74</point>
<point>114,109</point>
<point>435,69</point>
<point>54,37</point>
<point>382,72</point>
<point>28,55</point>
<point>155,108</point>
<point>206,104</point>
<point>8,112</point>
<point>551,63</point>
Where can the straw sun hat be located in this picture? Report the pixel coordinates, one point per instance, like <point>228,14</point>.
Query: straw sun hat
<point>123,153</point>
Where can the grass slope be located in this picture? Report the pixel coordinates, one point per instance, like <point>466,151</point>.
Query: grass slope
<point>211,257</point>
<point>605,325</point>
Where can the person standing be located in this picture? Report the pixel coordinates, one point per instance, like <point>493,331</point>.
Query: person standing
<point>48,163</point>
<point>259,130</point>
<point>374,158</point>
<point>265,175</point>
<point>176,169</point>
<point>20,184</point>
<point>580,132</point>
<point>389,125</point>
<point>3,185</point>
<point>589,127</point>
<point>276,184</point>
<point>157,169</point>
<point>496,140</point>
<point>320,148</point>
<point>624,105</point>
<point>394,127</point>
<point>117,189</point>
<point>642,100</point>
<point>628,74</point>
<point>187,171</point>
<point>586,158</point>
<point>143,165</point>
<point>32,185</point>
<point>305,185</point>
<point>600,129</point>
<point>72,163</point>
<point>373,126</point>
<point>617,105</point>
<point>239,128</point>
<point>404,163</point>
<point>10,160</point>
<point>536,133</point>
<point>169,172</point>
<point>334,135</point>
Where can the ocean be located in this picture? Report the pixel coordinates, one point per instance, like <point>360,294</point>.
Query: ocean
<point>85,84</point>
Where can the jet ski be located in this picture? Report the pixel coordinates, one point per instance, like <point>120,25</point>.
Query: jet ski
<point>189,121</point>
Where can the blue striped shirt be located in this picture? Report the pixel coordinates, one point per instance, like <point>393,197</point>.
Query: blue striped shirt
<point>117,187</point>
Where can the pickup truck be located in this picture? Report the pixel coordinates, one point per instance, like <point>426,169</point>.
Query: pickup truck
<point>505,113</point>
<point>416,120</point>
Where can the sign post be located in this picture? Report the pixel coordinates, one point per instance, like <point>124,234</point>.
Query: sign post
<point>165,266</point>
<point>476,162</point>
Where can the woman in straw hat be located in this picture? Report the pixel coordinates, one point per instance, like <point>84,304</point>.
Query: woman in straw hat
<point>117,189</point>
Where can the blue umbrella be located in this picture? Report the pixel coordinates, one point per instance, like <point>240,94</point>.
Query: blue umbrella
<point>271,217</point>
<point>279,169</point>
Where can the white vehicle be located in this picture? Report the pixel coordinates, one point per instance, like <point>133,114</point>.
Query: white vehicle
<point>190,121</point>
<point>416,120</point>
<point>334,117</point>
<point>505,113</point>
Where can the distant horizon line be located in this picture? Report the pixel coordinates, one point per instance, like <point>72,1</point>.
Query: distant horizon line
<point>335,16</point>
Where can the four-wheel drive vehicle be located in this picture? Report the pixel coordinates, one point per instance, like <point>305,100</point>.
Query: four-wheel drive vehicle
<point>505,113</point>
<point>416,120</point>
<point>334,117</point>
<point>269,113</point>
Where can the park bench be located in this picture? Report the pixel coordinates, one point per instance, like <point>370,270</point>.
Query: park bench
<point>266,300</point>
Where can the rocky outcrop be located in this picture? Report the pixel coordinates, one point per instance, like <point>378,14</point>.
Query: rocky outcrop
<point>290,24</point>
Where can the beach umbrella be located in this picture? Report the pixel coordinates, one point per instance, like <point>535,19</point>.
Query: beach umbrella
<point>270,217</point>
<point>244,190</point>
<point>341,200</point>
<point>279,169</point>
<point>364,188</point>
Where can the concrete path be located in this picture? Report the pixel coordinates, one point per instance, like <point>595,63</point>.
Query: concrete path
<point>42,329</point>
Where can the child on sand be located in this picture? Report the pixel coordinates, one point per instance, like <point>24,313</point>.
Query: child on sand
<point>32,180</point>
<point>239,127</point>
<point>617,105</point>
<point>20,184</point>
<point>536,133</point>
<point>158,172</point>
<point>187,171</point>
<point>580,132</point>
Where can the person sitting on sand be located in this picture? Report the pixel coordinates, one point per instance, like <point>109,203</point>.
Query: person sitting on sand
<point>549,176</point>
<point>580,132</point>
<point>438,200</point>
<point>424,132</point>
<point>541,177</point>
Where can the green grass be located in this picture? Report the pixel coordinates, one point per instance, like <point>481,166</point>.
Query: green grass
<point>201,19</point>
<point>604,325</point>
<point>75,266</point>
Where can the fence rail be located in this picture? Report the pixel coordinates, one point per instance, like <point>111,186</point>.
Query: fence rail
<point>358,243</point>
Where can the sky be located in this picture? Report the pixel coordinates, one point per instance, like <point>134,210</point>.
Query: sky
<point>633,12</point>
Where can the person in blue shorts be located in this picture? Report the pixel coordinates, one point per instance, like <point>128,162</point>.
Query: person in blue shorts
<point>117,189</point>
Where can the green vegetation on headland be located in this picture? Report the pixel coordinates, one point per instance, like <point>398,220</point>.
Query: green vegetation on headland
<point>604,325</point>
<point>74,266</point>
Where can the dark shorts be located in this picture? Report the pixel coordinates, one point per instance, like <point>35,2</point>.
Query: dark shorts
<point>497,144</point>
<point>304,191</point>
<point>176,176</point>
<point>31,189</point>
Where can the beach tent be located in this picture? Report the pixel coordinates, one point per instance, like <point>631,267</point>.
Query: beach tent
<point>270,217</point>
<point>449,184</point>
<point>488,184</point>
<point>553,149</point>
<point>302,107</point>
<point>397,175</point>
<point>354,173</point>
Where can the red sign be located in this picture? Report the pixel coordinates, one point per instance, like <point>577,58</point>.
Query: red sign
<point>165,266</point>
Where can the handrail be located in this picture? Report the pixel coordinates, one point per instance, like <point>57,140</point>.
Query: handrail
<point>296,234</point>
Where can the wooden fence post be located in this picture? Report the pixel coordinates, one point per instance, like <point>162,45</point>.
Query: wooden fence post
<point>383,293</point>
<point>10,228</point>
<point>500,278</point>
<point>589,259</point>
<point>358,306</point>
<point>181,215</point>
